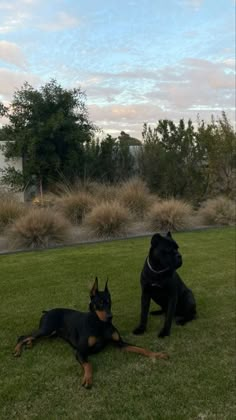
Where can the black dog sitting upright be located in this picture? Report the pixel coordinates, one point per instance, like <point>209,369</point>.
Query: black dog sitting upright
<point>87,332</point>
<point>160,282</point>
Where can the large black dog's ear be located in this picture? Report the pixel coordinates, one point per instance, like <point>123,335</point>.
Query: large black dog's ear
<point>156,239</point>
<point>94,289</point>
<point>169,235</point>
<point>106,287</point>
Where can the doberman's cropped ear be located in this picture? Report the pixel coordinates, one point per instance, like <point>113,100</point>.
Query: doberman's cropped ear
<point>106,287</point>
<point>169,235</point>
<point>94,289</point>
<point>156,239</point>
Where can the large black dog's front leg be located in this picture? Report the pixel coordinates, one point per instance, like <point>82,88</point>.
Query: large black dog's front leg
<point>145,305</point>
<point>171,308</point>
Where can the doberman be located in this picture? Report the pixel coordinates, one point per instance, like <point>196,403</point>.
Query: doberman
<point>87,332</point>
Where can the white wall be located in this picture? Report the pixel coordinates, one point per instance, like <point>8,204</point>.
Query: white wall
<point>17,163</point>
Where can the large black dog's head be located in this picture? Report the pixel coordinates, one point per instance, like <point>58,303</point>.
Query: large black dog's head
<point>164,253</point>
<point>100,302</point>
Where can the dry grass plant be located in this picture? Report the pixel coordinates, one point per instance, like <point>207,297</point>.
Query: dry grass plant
<point>10,210</point>
<point>218,211</point>
<point>75,206</point>
<point>6,194</point>
<point>99,190</point>
<point>104,192</point>
<point>39,228</point>
<point>170,214</point>
<point>67,188</point>
<point>108,219</point>
<point>134,194</point>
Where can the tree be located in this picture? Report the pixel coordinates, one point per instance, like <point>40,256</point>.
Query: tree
<point>218,139</point>
<point>172,159</point>
<point>48,127</point>
<point>107,159</point>
<point>151,159</point>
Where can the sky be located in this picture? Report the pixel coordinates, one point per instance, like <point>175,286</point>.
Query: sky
<point>137,60</point>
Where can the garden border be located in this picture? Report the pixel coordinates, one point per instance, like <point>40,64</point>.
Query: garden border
<point>104,240</point>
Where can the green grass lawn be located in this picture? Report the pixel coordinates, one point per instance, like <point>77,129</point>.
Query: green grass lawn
<point>198,382</point>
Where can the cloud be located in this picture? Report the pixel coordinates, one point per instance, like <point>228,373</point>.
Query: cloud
<point>14,80</point>
<point>11,53</point>
<point>113,119</point>
<point>16,14</point>
<point>62,21</point>
<point>193,4</point>
<point>125,100</point>
<point>125,115</point>
<point>192,86</point>
<point>5,5</point>
<point>107,93</point>
<point>14,22</point>
<point>229,62</point>
<point>190,82</point>
<point>195,82</point>
<point>208,74</point>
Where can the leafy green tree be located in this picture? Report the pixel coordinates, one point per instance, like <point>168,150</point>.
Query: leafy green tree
<point>172,159</point>
<point>48,128</point>
<point>218,139</point>
<point>107,159</point>
<point>151,159</point>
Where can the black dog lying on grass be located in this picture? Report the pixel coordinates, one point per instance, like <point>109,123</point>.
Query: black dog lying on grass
<point>160,282</point>
<point>87,332</point>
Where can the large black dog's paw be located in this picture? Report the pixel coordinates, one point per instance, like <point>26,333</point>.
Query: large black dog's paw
<point>163,333</point>
<point>139,330</point>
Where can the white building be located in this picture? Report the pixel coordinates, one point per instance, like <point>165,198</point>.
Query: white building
<point>17,163</point>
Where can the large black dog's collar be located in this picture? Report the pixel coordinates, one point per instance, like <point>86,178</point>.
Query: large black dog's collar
<point>164,270</point>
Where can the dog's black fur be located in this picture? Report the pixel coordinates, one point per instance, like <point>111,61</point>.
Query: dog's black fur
<point>87,332</point>
<point>160,282</point>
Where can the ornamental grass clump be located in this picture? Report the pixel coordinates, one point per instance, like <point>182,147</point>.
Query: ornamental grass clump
<point>218,211</point>
<point>75,206</point>
<point>108,219</point>
<point>10,210</point>
<point>104,192</point>
<point>170,215</point>
<point>134,195</point>
<point>39,228</point>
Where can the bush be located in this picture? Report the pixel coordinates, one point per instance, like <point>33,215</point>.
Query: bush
<point>169,215</point>
<point>38,229</point>
<point>75,206</point>
<point>218,211</point>
<point>10,210</point>
<point>108,219</point>
<point>104,192</point>
<point>66,187</point>
<point>135,195</point>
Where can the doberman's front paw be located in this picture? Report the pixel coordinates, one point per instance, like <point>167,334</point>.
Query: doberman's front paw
<point>163,333</point>
<point>139,330</point>
<point>17,351</point>
<point>87,381</point>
